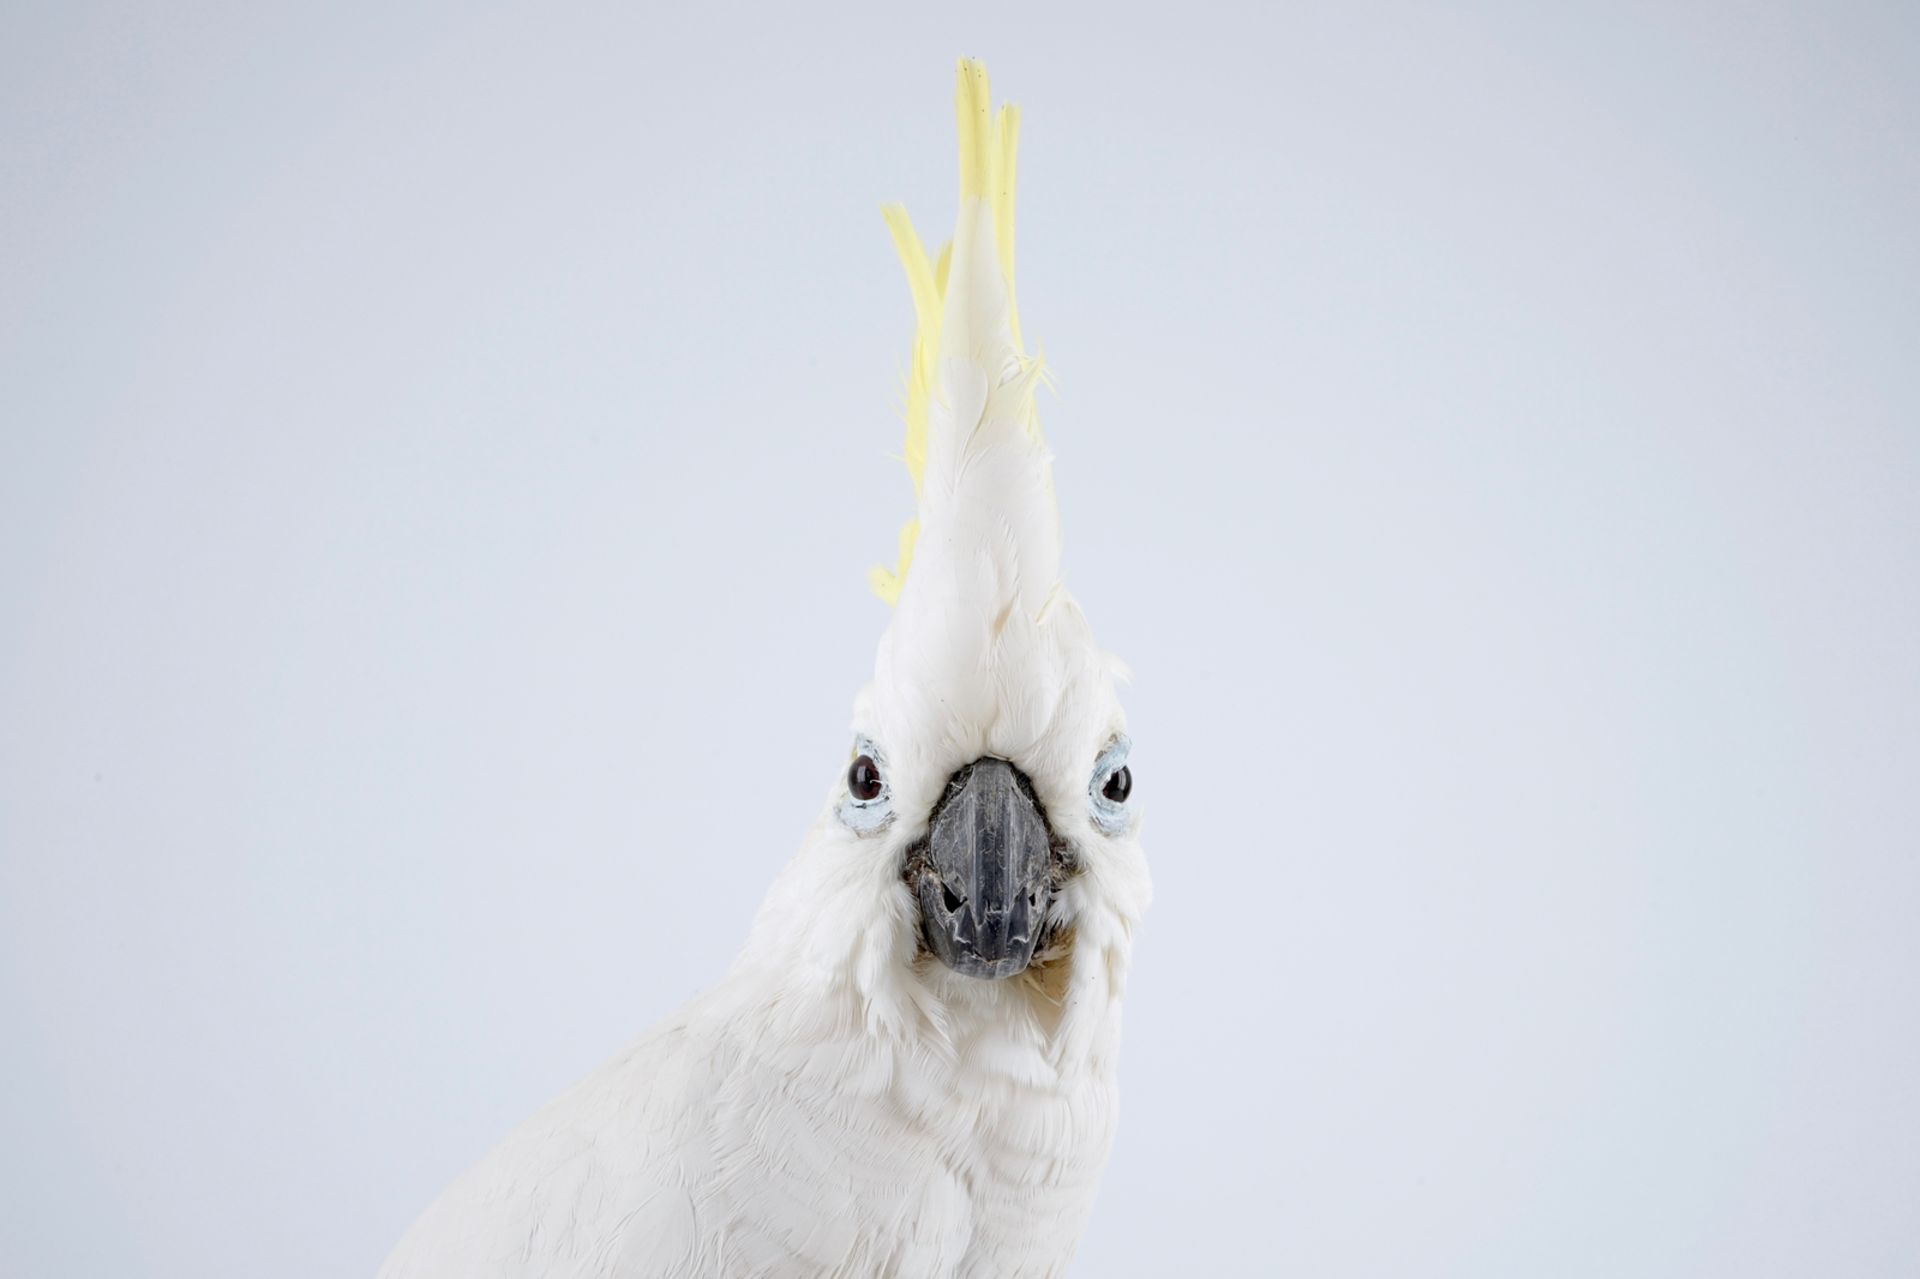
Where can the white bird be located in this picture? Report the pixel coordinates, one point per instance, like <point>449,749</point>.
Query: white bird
<point>910,1069</point>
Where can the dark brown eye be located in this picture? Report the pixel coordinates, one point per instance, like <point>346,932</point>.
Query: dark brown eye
<point>863,779</point>
<point>1119,785</point>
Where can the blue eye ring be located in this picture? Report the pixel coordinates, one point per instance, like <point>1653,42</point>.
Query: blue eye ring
<point>866,799</point>
<point>1110,775</point>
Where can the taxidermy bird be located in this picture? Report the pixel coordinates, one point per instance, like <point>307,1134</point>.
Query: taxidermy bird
<point>910,1068</point>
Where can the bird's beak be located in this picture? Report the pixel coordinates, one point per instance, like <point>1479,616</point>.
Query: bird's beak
<point>983,877</point>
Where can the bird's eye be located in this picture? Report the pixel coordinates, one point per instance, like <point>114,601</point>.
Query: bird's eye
<point>864,782</point>
<point>1110,786</point>
<point>867,806</point>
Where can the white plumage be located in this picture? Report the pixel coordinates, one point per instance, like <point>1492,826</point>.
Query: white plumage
<point>843,1103</point>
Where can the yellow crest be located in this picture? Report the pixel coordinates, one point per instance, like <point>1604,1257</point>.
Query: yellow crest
<point>988,144</point>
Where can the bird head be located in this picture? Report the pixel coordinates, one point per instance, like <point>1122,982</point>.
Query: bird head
<point>984,827</point>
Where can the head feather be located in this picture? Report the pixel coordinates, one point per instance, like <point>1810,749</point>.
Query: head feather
<point>964,312</point>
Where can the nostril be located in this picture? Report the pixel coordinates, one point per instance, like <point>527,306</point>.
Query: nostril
<point>1033,899</point>
<point>953,903</point>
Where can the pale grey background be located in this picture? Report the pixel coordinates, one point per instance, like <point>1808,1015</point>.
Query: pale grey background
<point>441,451</point>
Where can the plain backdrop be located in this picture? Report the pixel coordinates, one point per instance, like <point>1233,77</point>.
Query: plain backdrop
<point>441,450</point>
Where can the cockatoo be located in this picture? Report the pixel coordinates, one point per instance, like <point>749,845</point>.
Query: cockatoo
<point>910,1069</point>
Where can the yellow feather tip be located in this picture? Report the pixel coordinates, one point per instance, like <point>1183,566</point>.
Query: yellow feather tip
<point>888,585</point>
<point>989,144</point>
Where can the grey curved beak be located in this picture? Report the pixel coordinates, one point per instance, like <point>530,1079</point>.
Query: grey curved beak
<point>983,882</point>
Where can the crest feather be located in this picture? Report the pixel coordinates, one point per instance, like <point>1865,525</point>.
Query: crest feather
<point>989,147</point>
